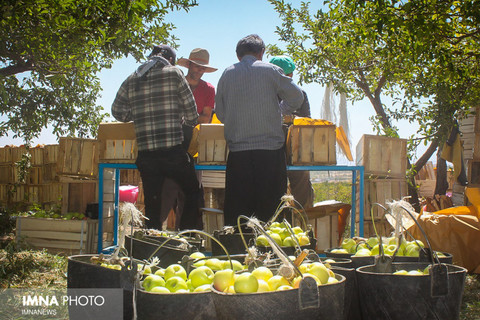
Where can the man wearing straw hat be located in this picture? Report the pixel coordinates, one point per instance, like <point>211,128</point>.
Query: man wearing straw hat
<point>204,92</point>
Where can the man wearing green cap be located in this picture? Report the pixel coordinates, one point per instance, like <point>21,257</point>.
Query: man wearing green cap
<point>300,185</point>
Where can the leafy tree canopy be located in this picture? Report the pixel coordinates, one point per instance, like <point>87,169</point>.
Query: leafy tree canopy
<point>423,53</point>
<point>52,50</point>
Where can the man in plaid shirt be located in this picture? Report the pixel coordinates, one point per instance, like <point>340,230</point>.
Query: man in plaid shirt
<point>158,99</point>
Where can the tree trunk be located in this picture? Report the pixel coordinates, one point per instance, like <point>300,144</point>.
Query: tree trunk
<point>441,185</point>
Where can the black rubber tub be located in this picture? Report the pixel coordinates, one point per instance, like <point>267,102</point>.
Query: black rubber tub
<point>368,260</point>
<point>308,302</point>
<point>351,302</point>
<point>389,296</point>
<point>82,274</point>
<point>175,306</point>
<point>143,249</point>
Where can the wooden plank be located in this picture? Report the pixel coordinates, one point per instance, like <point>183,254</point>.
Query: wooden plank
<point>58,244</point>
<point>57,235</point>
<point>48,224</point>
<point>381,191</point>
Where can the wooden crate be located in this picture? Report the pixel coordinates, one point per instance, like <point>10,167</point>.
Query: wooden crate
<point>426,188</point>
<point>77,195</point>
<point>6,155</point>
<point>50,153</point>
<point>117,142</point>
<point>6,173</point>
<point>382,226</point>
<point>213,179</point>
<point>381,191</point>
<point>311,145</point>
<point>78,158</point>
<point>212,147</point>
<point>473,167</point>
<point>56,235</point>
<point>382,156</point>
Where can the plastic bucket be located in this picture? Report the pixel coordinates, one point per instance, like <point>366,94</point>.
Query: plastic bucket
<point>351,302</point>
<point>174,306</point>
<point>288,304</point>
<point>128,193</point>
<point>388,296</point>
<point>143,249</point>
<point>82,274</point>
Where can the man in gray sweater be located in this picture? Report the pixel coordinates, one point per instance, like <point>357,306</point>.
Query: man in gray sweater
<point>247,103</point>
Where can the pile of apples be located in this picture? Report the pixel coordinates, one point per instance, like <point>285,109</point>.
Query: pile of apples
<point>218,274</point>
<point>417,272</point>
<point>279,233</point>
<point>370,247</point>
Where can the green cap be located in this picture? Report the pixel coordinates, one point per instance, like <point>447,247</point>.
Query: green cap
<point>284,62</point>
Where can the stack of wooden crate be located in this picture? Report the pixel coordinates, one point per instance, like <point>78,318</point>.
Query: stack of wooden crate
<point>385,163</point>
<point>470,135</point>
<point>426,180</point>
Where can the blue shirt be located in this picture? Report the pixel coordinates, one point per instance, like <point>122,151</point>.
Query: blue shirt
<point>247,103</point>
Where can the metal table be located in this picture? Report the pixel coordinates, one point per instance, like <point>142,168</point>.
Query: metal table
<point>357,172</point>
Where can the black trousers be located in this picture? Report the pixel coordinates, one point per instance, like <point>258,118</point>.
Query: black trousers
<point>177,164</point>
<point>255,182</point>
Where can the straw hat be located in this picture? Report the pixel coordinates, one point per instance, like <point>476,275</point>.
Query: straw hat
<point>200,57</point>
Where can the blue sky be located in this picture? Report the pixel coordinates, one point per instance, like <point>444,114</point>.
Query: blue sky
<point>217,25</point>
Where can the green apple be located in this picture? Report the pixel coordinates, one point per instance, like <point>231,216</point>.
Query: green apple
<point>151,281</point>
<point>277,281</point>
<point>348,244</point>
<point>332,280</point>
<point>297,230</point>
<point>276,229</point>
<point>262,273</point>
<point>426,270</point>
<point>200,276</point>
<point>175,283</point>
<point>214,264</point>
<point>284,287</point>
<point>412,250</point>
<point>390,249</point>
<point>159,290</point>
<point>203,288</point>
<point>223,279</point>
<point>190,285</point>
<point>401,272</point>
<point>364,252</point>
<point>237,265</point>
<point>262,241</point>
<point>319,270</point>
<point>339,251</point>
<point>284,233</point>
<point>230,289</point>
<point>304,267</point>
<point>296,281</point>
<point>263,286</point>
<point>375,250</point>
<point>372,241</point>
<point>245,283</point>
<point>160,272</point>
<point>277,238</point>
<point>288,242</point>
<point>183,291</point>
<point>175,270</point>
<point>196,256</point>
<point>304,240</point>
<point>275,224</point>
<point>415,273</point>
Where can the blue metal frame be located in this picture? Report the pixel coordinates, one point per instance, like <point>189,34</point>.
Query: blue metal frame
<point>118,166</point>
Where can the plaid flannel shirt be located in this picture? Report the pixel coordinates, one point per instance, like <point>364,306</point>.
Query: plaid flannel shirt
<point>158,101</point>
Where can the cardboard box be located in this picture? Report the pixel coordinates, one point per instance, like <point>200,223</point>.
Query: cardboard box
<point>212,147</point>
<point>56,235</point>
<point>117,142</point>
<point>382,156</point>
<point>311,145</point>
